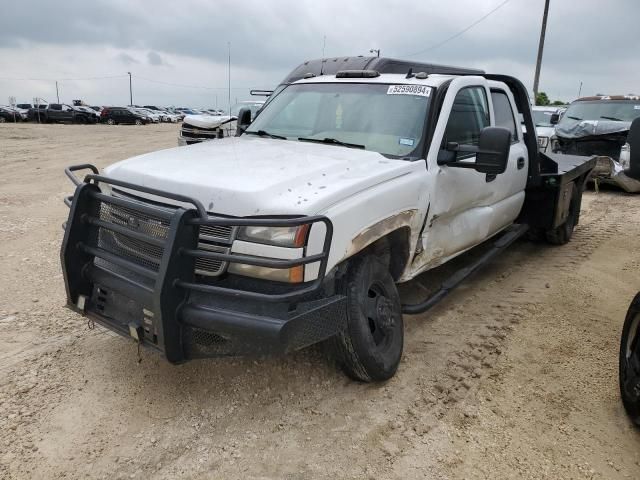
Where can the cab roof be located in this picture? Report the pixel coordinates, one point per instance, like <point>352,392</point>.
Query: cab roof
<point>332,65</point>
<point>385,78</point>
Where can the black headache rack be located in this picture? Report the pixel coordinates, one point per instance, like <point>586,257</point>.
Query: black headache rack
<point>132,266</point>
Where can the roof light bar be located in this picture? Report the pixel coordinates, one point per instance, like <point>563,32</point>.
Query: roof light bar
<point>357,74</point>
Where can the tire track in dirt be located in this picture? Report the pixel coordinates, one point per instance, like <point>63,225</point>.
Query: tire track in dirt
<point>530,278</point>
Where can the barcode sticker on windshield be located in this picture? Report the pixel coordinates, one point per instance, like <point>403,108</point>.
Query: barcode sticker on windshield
<point>636,107</point>
<point>420,90</point>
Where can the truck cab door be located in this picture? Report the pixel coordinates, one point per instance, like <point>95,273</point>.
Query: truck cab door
<point>467,206</point>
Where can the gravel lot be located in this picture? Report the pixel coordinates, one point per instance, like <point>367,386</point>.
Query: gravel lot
<point>513,376</point>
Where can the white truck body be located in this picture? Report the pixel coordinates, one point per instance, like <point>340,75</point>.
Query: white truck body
<point>297,230</point>
<point>359,191</point>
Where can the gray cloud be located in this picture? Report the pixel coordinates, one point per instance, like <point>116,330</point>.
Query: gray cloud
<point>154,58</point>
<point>127,59</point>
<point>586,41</point>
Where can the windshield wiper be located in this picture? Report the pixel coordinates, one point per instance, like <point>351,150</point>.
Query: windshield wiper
<point>331,141</point>
<point>573,118</point>
<point>262,133</point>
<point>611,118</point>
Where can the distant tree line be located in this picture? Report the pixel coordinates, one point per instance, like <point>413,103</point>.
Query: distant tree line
<point>542,99</point>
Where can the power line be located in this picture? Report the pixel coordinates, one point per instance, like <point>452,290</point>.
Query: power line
<point>447,40</point>
<point>61,79</point>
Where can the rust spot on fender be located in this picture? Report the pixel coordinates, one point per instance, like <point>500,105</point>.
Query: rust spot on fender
<point>378,230</point>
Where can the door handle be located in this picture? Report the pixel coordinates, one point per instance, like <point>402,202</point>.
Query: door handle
<point>520,163</point>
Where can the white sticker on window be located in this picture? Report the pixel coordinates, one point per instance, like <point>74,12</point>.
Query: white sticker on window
<point>407,141</point>
<point>420,90</point>
<point>636,107</point>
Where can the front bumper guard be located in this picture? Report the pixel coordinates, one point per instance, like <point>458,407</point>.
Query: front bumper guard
<point>167,307</point>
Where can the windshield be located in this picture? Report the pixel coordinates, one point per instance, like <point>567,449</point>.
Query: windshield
<point>621,111</point>
<point>388,119</point>
<point>542,118</point>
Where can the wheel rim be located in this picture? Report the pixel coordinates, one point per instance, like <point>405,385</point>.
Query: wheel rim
<point>631,364</point>
<point>110,121</point>
<point>378,308</point>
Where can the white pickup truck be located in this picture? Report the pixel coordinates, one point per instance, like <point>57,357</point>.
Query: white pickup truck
<point>297,230</point>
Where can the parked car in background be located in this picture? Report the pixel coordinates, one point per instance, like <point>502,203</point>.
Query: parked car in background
<point>8,114</point>
<point>199,128</point>
<point>22,111</point>
<point>546,118</point>
<point>599,126</point>
<point>97,109</point>
<point>63,113</point>
<point>89,111</point>
<point>122,115</point>
<point>37,113</point>
<point>15,111</point>
<point>152,116</point>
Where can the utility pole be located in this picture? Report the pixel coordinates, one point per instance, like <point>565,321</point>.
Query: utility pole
<point>324,44</point>
<point>57,94</point>
<point>536,78</point>
<point>580,90</point>
<point>229,77</point>
<point>130,91</point>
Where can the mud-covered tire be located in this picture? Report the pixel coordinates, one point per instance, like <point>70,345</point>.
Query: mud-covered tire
<point>629,362</point>
<point>369,348</point>
<point>563,233</point>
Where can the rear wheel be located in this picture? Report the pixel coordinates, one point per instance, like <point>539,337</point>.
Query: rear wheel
<point>629,368</point>
<point>138,121</point>
<point>111,121</point>
<point>370,346</point>
<point>563,233</point>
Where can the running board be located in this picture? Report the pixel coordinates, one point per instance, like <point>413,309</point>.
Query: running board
<point>511,235</point>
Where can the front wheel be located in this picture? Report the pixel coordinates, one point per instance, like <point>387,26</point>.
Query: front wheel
<point>111,121</point>
<point>138,121</point>
<point>369,348</point>
<point>629,367</point>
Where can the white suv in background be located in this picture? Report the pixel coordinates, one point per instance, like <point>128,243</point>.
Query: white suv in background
<point>545,119</point>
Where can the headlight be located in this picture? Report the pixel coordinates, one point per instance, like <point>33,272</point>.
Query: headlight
<point>543,142</point>
<point>278,242</point>
<point>625,156</point>
<point>280,236</point>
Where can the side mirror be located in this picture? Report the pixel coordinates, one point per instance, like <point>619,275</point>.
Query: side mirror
<point>633,139</point>
<point>492,152</point>
<point>244,120</point>
<point>555,118</point>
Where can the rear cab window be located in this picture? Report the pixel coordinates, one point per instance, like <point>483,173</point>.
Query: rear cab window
<point>503,112</point>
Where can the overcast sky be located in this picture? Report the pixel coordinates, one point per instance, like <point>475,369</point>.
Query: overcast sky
<point>184,42</point>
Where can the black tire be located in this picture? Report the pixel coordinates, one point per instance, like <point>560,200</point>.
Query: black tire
<point>2,119</point>
<point>562,234</point>
<point>629,367</point>
<point>111,121</point>
<point>138,121</point>
<point>369,349</point>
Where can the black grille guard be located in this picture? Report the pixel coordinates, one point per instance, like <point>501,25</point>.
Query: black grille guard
<point>164,291</point>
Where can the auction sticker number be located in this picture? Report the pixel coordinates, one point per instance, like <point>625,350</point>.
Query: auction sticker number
<point>420,90</point>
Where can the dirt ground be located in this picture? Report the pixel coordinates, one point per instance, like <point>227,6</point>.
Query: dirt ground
<point>513,376</point>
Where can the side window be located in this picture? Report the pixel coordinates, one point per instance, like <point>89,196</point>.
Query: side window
<point>55,106</point>
<point>469,115</point>
<point>504,113</point>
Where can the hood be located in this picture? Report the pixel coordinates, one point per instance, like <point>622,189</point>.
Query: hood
<point>208,121</point>
<point>243,176</point>
<point>590,128</point>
